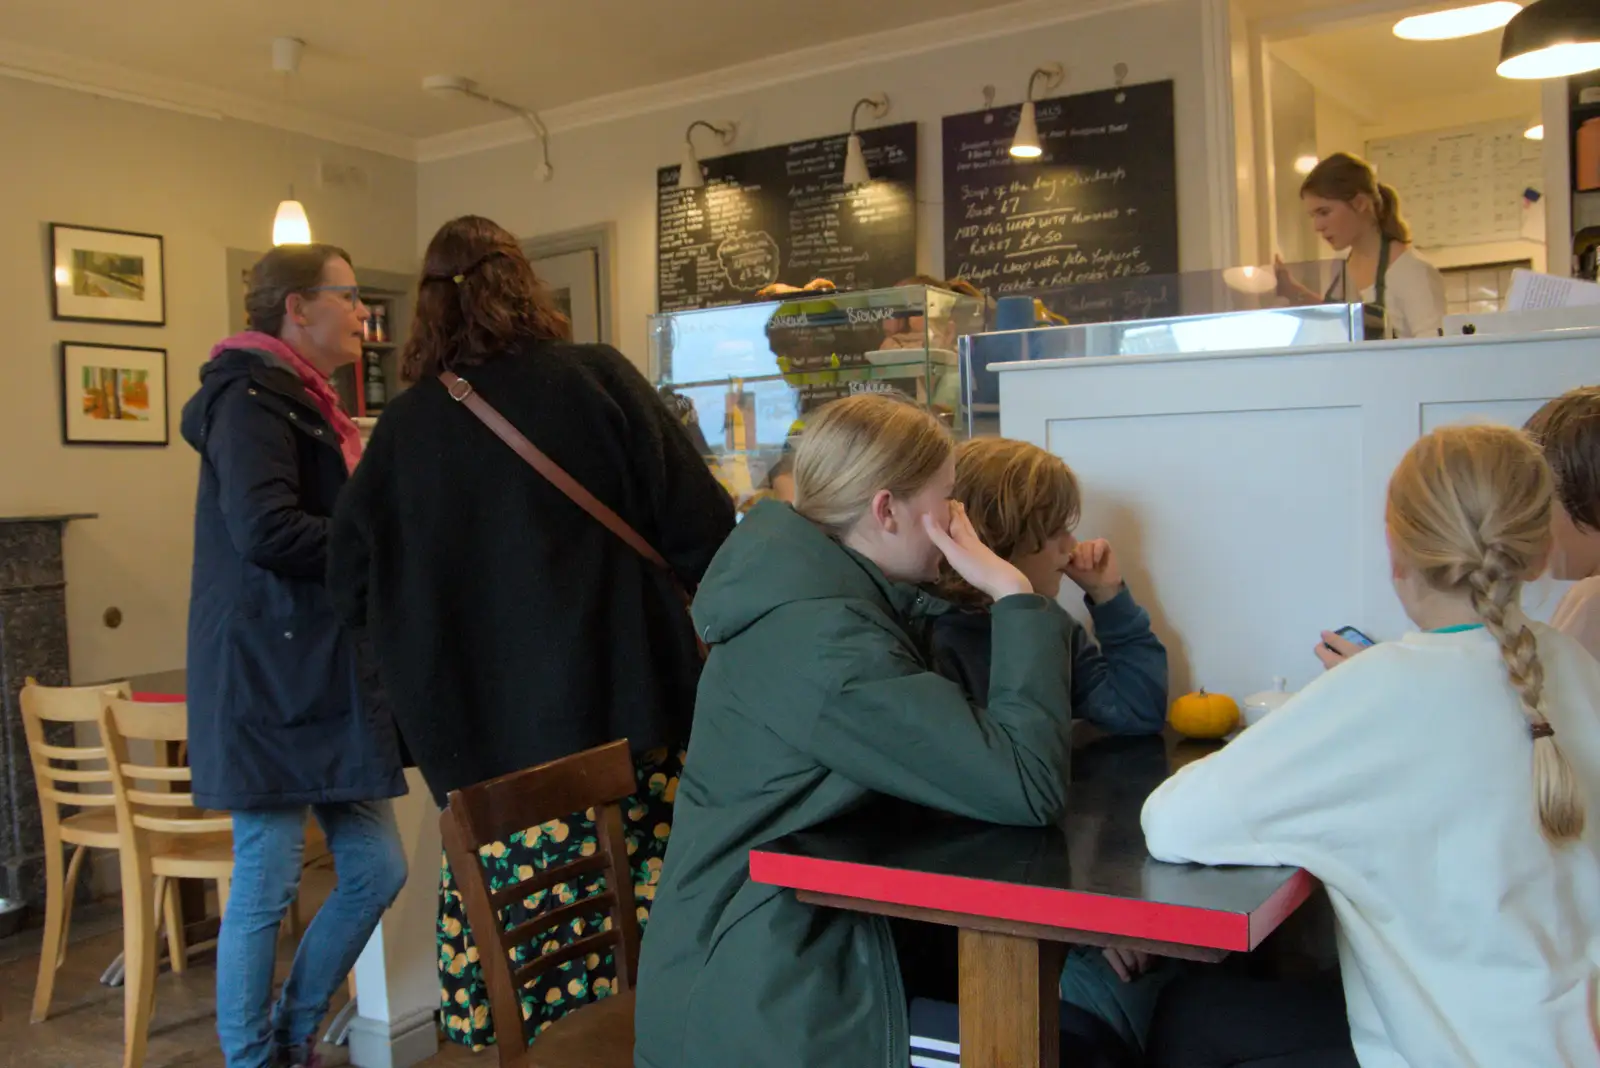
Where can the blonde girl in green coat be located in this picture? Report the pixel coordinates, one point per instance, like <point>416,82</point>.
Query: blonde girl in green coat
<point>818,696</point>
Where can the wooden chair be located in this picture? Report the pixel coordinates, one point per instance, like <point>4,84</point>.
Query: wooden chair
<point>598,1035</point>
<point>163,836</point>
<point>62,769</point>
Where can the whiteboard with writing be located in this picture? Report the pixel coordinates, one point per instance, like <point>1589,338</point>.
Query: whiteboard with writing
<point>1461,186</point>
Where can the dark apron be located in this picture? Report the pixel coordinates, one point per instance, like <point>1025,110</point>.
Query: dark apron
<point>1376,326</point>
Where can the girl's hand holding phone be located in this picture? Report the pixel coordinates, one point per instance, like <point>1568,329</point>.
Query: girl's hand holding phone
<point>1334,649</point>
<point>972,559</point>
<point>1095,569</point>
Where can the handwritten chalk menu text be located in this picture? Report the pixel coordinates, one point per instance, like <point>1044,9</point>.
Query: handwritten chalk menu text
<point>1100,205</point>
<point>784,214</point>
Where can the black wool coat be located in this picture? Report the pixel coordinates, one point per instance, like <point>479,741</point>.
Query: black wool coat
<point>511,628</point>
<point>279,713</point>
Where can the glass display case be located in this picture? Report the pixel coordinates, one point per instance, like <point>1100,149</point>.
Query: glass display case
<point>745,377</point>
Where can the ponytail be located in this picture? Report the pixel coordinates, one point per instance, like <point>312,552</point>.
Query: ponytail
<point>1390,221</point>
<point>1469,507</point>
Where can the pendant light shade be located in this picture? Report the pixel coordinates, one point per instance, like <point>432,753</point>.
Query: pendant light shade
<point>1025,145</point>
<point>689,174</point>
<point>290,226</point>
<point>1456,22</point>
<point>1551,39</point>
<point>855,163</point>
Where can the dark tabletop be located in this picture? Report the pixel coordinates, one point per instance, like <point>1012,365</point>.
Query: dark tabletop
<point>1090,874</point>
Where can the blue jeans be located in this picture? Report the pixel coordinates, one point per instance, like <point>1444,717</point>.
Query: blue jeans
<point>268,845</point>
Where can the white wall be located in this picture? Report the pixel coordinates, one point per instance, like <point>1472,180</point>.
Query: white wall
<point>607,172</point>
<point>205,186</point>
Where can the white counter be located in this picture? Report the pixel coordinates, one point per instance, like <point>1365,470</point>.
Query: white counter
<point>1245,490</point>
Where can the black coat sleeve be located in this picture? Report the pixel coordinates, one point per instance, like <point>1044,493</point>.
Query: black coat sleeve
<point>691,513</point>
<point>254,453</point>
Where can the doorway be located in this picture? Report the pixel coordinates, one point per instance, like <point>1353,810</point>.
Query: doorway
<point>576,265</point>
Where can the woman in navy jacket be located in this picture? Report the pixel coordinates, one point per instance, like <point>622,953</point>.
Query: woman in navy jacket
<point>281,718</point>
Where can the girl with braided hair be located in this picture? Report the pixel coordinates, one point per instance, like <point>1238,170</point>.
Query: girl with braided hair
<point>1444,787</point>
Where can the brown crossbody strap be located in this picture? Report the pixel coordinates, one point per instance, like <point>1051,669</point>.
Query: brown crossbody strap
<point>462,392</point>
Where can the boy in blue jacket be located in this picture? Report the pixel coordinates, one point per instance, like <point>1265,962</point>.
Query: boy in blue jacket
<point>1024,503</point>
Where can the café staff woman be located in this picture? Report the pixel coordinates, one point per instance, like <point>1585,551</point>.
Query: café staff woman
<point>1355,213</point>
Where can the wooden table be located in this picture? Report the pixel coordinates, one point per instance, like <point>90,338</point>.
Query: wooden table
<point>1019,895</point>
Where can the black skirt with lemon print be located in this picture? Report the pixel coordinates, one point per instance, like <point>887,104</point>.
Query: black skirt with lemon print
<point>647,822</point>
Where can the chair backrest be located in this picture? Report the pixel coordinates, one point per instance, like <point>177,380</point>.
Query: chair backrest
<point>477,817</point>
<point>50,718</point>
<point>169,809</point>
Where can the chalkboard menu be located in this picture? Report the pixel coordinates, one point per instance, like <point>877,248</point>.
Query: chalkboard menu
<point>784,214</point>
<point>1100,206</point>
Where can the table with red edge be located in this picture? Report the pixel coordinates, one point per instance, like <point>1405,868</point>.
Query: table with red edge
<point>1019,896</point>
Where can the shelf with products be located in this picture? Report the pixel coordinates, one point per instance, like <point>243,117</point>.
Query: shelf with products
<point>744,377</point>
<point>1583,144</point>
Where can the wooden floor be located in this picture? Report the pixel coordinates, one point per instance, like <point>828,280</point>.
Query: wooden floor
<point>85,1025</point>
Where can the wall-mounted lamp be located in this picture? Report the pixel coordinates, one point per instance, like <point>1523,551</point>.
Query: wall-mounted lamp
<point>1534,132</point>
<point>1551,39</point>
<point>855,161</point>
<point>689,174</point>
<point>1025,143</point>
<point>448,84</point>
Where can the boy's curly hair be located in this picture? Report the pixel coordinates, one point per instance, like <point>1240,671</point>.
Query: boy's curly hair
<point>1018,497</point>
<point>1567,429</point>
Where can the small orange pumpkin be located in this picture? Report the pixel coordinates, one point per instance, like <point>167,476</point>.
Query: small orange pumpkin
<point>1204,715</point>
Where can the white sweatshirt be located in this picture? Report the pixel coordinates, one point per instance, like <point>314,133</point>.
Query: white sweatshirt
<point>1403,780</point>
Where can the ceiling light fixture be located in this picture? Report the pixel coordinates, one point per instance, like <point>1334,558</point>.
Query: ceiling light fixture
<point>290,225</point>
<point>455,84</point>
<point>1025,142</point>
<point>1456,22</point>
<point>855,161</point>
<point>690,176</point>
<point>1551,39</point>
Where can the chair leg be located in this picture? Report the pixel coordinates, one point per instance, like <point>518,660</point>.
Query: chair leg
<point>54,936</point>
<point>139,955</point>
<point>177,950</point>
<point>71,891</point>
<point>223,885</point>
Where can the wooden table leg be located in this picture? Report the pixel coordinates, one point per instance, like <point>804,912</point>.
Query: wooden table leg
<point>1010,1001</point>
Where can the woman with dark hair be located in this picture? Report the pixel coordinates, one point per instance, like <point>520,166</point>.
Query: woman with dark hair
<point>1358,215</point>
<point>279,720</point>
<point>511,627</point>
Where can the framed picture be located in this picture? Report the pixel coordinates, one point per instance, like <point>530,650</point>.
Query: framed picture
<point>107,276</point>
<point>113,394</point>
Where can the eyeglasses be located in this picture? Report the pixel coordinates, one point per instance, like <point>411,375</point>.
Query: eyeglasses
<point>351,295</point>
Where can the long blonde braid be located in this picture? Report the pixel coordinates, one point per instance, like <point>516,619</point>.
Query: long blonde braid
<point>1469,507</point>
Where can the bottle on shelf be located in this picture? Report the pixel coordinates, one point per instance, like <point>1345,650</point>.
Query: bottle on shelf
<point>380,324</point>
<point>375,388</point>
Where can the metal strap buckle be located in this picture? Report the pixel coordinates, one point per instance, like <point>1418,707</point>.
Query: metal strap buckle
<point>460,390</point>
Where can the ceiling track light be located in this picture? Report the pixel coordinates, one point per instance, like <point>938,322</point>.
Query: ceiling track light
<point>690,176</point>
<point>855,160</point>
<point>1025,142</point>
<point>448,84</point>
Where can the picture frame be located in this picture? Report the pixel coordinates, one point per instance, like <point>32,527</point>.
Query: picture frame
<point>113,395</point>
<point>107,276</point>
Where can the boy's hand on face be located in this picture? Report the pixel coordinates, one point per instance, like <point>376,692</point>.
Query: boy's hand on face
<point>1095,569</point>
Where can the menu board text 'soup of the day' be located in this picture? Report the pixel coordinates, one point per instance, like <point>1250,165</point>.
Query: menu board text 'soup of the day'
<point>1099,205</point>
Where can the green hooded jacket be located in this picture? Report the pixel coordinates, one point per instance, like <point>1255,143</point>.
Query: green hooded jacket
<point>816,698</point>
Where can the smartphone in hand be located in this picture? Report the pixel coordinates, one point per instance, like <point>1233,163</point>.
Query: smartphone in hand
<point>1351,634</point>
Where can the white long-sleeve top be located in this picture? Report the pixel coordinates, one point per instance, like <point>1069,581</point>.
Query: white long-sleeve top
<point>1403,780</point>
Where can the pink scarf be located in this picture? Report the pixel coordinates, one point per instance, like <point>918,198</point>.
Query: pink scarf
<point>322,393</point>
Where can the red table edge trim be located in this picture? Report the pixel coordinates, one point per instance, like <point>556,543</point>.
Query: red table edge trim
<point>1280,906</point>
<point>1066,909</point>
<point>159,698</point>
